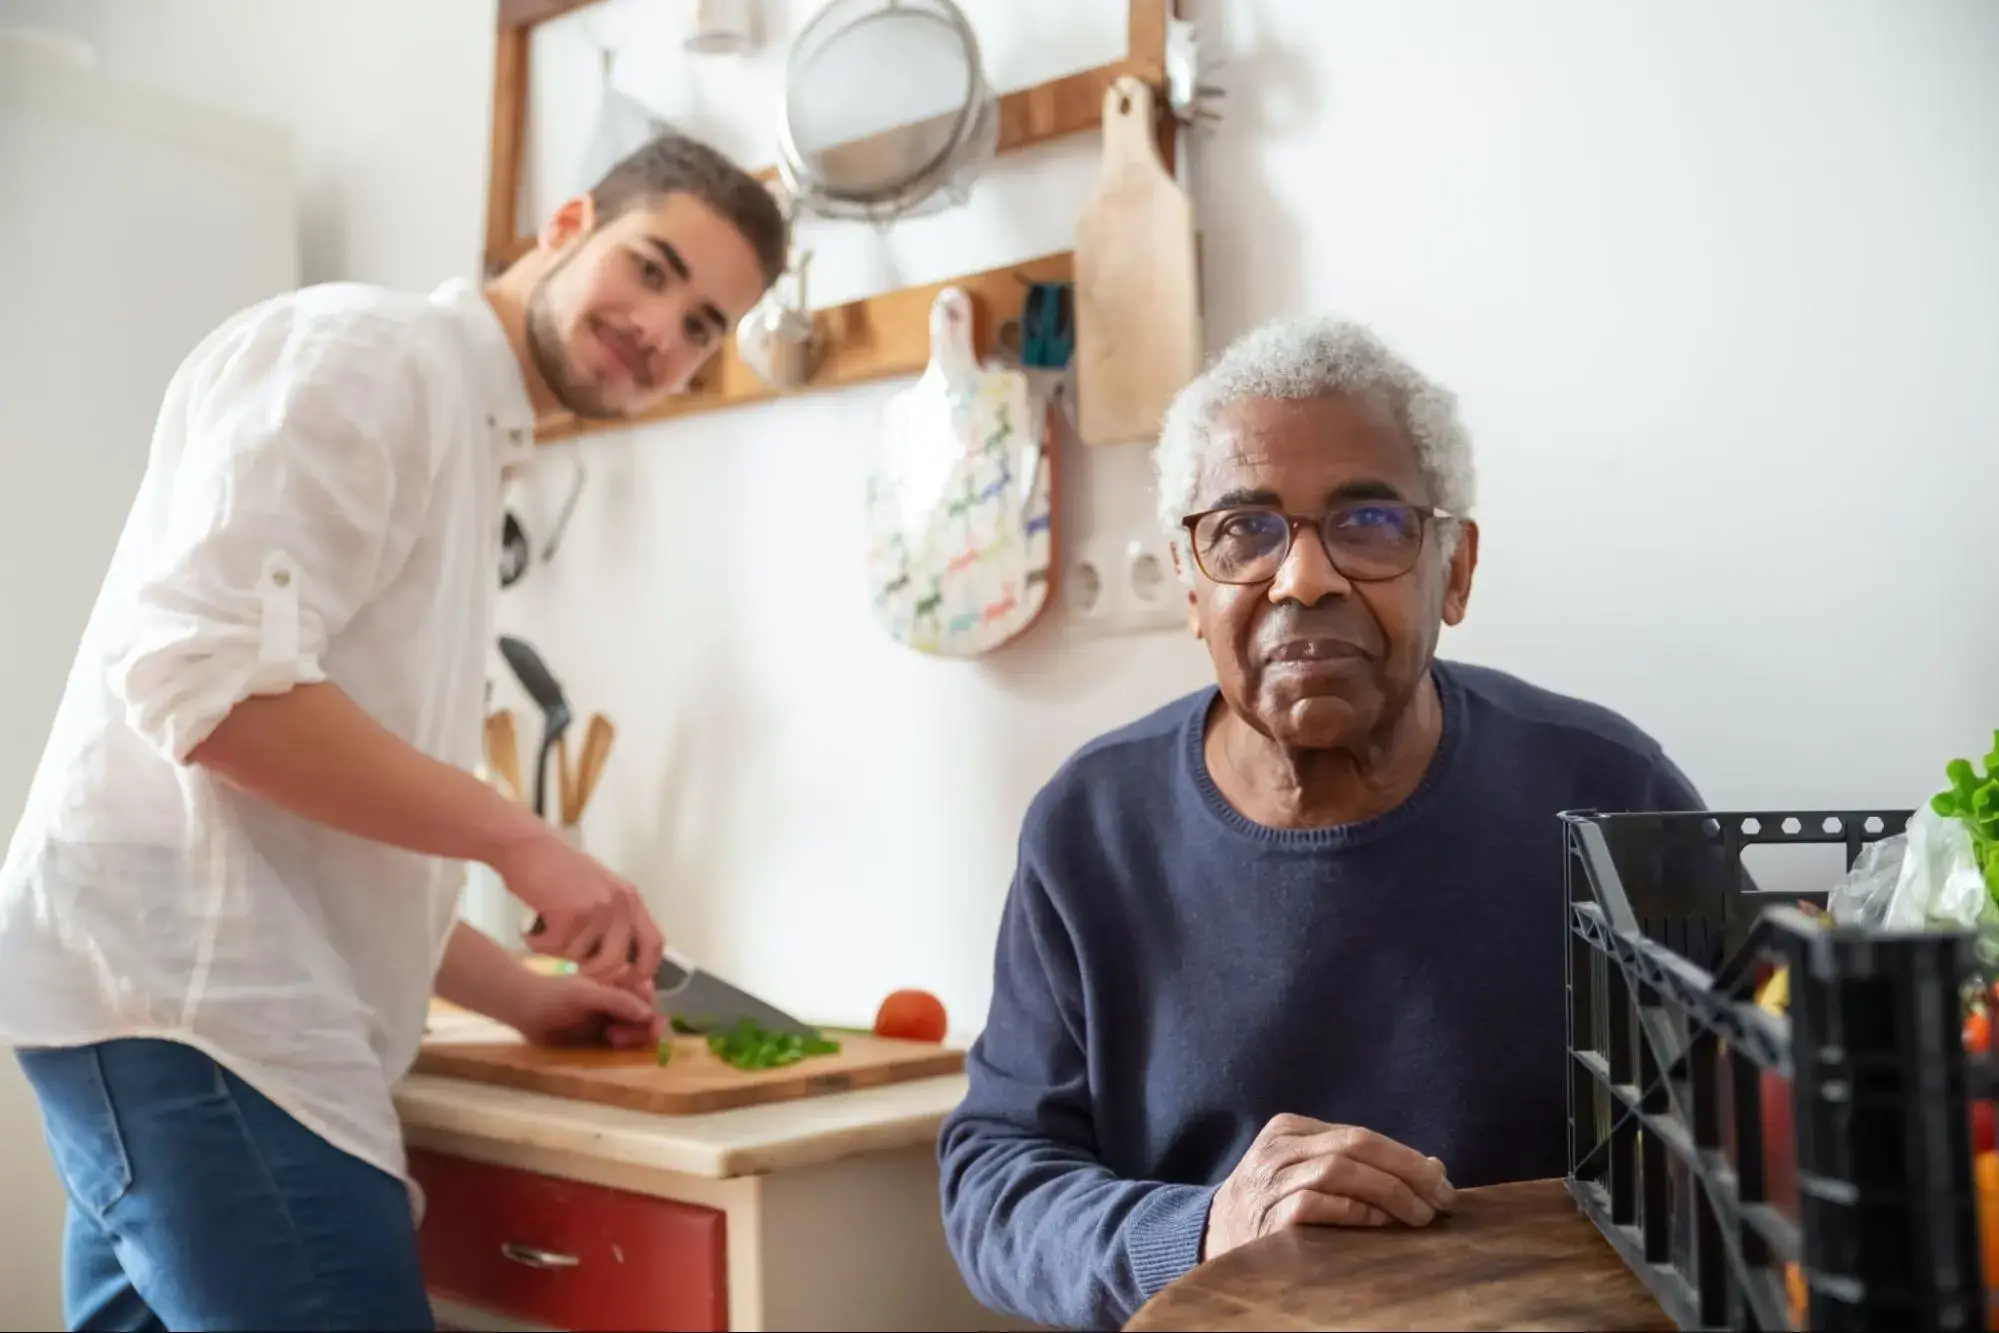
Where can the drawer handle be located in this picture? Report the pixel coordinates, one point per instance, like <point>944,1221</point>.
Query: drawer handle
<point>529,1257</point>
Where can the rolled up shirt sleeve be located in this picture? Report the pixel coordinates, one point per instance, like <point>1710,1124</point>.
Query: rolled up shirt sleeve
<point>303,455</point>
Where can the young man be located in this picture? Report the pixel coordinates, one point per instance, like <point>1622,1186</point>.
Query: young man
<point>236,877</point>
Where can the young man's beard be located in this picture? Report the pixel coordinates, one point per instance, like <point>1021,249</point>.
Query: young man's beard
<point>545,346</point>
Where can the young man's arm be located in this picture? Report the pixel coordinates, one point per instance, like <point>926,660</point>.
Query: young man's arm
<point>307,467</point>
<point>315,752</point>
<point>479,975</point>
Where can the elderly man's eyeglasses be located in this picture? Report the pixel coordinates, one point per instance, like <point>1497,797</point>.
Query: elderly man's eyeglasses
<point>1366,540</point>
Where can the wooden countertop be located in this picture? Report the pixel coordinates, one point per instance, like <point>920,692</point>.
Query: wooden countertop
<point>1508,1257</point>
<point>751,1140</point>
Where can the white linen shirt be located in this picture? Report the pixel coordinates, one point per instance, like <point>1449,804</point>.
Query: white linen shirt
<point>322,502</point>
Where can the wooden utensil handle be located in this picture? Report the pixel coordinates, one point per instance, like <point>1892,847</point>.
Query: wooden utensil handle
<point>596,751</point>
<point>503,752</point>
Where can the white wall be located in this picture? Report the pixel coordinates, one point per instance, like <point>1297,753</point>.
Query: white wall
<point>1714,281</point>
<point>105,309</point>
<point>385,100</point>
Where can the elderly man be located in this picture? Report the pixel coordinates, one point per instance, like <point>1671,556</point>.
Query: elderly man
<point>1288,950</point>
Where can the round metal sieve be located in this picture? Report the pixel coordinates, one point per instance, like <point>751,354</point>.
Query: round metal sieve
<point>886,111</point>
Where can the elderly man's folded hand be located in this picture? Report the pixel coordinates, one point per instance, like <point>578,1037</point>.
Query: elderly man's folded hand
<point>1305,1172</point>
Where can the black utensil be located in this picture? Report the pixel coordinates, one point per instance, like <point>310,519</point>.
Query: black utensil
<point>541,686</point>
<point>513,551</point>
<point>514,547</point>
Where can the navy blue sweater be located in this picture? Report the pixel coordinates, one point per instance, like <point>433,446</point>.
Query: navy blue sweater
<point>1171,975</point>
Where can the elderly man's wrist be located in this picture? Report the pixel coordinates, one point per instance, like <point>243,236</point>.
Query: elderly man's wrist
<point>1166,1232</point>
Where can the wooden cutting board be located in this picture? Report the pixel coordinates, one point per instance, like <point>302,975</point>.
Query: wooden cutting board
<point>695,1081</point>
<point>1138,303</point>
<point>961,500</point>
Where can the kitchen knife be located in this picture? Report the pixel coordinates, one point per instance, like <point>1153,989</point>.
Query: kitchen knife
<point>687,992</point>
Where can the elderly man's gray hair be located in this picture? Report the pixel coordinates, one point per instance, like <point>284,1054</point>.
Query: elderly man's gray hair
<point>1310,357</point>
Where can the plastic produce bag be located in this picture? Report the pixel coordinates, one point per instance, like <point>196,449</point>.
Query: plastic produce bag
<point>1942,883</point>
<point>1926,879</point>
<point>1861,899</point>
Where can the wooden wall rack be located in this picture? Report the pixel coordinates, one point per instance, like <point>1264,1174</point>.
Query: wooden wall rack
<point>878,336</point>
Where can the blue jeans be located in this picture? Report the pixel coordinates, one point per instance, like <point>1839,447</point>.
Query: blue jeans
<point>196,1203</point>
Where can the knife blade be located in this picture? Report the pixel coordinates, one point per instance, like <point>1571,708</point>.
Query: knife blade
<point>684,990</point>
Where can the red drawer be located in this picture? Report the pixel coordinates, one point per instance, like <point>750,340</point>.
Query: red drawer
<point>566,1254</point>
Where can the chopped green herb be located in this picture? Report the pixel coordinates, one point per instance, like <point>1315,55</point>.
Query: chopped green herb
<point>749,1045</point>
<point>666,1050</point>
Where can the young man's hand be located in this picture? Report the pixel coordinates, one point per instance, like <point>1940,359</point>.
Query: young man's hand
<point>575,1010</point>
<point>589,914</point>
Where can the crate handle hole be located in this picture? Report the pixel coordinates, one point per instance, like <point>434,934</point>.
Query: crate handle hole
<point>1792,828</point>
<point>1834,825</point>
<point>1752,826</point>
<point>1874,824</point>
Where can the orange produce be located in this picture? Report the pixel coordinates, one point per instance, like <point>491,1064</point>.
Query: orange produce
<point>1984,1118</point>
<point>912,1015</point>
<point>1985,1169</point>
<point>1780,1165</point>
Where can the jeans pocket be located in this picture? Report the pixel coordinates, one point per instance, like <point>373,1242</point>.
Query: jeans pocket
<point>80,1124</point>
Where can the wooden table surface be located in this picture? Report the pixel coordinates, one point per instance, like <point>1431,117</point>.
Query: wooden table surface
<point>1508,1257</point>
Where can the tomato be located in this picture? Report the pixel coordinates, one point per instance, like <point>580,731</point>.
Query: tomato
<point>1977,1032</point>
<point>912,1015</point>
<point>1984,1127</point>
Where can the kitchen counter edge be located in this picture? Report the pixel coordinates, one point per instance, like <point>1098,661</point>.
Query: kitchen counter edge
<point>751,1140</point>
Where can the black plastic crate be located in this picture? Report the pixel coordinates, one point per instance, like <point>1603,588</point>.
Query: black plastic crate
<point>1667,1057</point>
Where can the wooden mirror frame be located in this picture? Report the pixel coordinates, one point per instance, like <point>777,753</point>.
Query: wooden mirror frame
<point>1051,110</point>
<point>878,336</point>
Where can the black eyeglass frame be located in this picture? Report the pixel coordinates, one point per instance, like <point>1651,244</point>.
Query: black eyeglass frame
<point>1428,517</point>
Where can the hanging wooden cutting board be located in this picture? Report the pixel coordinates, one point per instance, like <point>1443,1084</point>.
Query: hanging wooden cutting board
<point>961,500</point>
<point>695,1081</point>
<point>1138,301</point>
